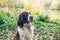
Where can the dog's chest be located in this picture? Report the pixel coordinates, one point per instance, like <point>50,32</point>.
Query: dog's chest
<point>27,29</point>
<point>25,33</point>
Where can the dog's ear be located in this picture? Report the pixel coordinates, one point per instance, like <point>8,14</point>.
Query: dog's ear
<point>23,18</point>
<point>20,21</point>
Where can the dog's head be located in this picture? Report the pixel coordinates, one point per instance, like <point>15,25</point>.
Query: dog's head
<point>24,17</point>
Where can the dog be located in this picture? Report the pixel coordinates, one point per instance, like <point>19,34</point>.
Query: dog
<point>25,28</point>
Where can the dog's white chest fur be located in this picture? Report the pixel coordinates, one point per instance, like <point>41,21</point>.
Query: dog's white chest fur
<point>25,33</point>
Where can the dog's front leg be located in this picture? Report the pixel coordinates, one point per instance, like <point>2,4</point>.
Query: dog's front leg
<point>16,37</point>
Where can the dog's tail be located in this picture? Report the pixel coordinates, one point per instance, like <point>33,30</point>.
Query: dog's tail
<point>16,37</point>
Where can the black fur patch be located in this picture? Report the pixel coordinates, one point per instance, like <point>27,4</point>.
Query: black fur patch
<point>23,18</point>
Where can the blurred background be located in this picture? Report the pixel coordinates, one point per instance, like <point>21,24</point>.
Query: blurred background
<point>46,18</point>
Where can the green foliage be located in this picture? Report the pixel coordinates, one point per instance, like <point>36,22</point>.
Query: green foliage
<point>8,21</point>
<point>43,18</point>
<point>46,28</point>
<point>45,23</point>
<point>56,21</point>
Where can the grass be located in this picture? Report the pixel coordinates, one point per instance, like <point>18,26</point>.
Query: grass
<point>45,29</point>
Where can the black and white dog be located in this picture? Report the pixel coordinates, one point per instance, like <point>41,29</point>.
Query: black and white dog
<point>25,28</point>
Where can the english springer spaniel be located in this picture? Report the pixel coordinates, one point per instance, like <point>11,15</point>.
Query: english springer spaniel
<point>25,28</point>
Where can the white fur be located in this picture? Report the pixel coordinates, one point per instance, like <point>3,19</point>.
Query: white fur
<point>20,33</point>
<point>25,34</point>
<point>29,17</point>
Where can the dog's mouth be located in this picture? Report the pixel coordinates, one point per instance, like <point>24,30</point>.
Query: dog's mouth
<point>31,18</point>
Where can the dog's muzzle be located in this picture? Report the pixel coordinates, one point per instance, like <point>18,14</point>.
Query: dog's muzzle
<point>30,18</point>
